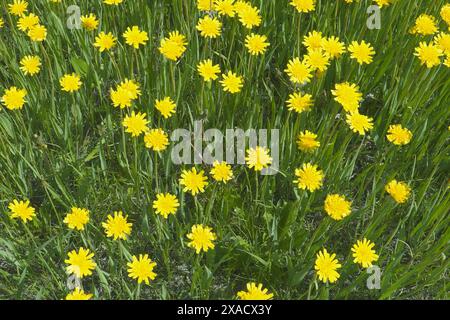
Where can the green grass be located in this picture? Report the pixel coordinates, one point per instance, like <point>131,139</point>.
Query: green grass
<point>66,150</point>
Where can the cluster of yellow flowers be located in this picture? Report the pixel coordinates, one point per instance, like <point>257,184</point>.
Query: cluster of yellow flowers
<point>320,52</point>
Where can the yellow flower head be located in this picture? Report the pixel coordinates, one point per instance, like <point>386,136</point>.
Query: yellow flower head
<point>136,124</point>
<point>30,65</point>
<point>299,71</point>
<point>37,33</point>
<point>425,25</point>
<point>89,22</point>
<point>232,82</point>
<point>142,269</point>
<point>309,177</point>
<point>255,292</point>
<point>174,46</point>
<point>359,123</point>
<point>326,267</point>
<point>429,54</point>
<point>307,141</point>
<point>70,82</point>
<point>363,253</point>
<point>445,13</point>
<point>304,5</point>
<point>300,103</point>
<point>442,40</point>
<point>249,16</point>
<point>225,7</point>
<point>27,22</point>
<point>333,47</point>
<point>166,106</point>
<point>121,98</point>
<point>209,27</point>
<point>399,191</point>
<point>399,135</point>
<point>208,70</point>
<point>256,44</point>
<point>165,204</point>
<point>77,218</point>
<point>361,52</point>
<point>78,294</point>
<point>317,60</point>
<point>14,98</point>
<point>156,139</point>
<point>135,37</point>
<point>382,3</point>
<point>348,95</point>
<point>193,181</point>
<point>22,210</point>
<point>258,158</point>
<point>201,238</point>
<point>18,7</point>
<point>113,2</point>
<point>132,87</point>
<point>117,226</point>
<point>314,40</point>
<point>80,263</point>
<point>105,41</point>
<point>337,207</point>
<point>205,5</point>
<point>222,171</point>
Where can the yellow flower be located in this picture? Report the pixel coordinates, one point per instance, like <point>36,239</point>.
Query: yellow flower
<point>37,33</point>
<point>156,139</point>
<point>165,204</point>
<point>14,98</point>
<point>362,52</point>
<point>174,46</point>
<point>256,44</point>
<point>113,2</point>
<point>399,135</point>
<point>222,171</point>
<point>193,181</point>
<point>304,5</point>
<point>30,65</point>
<point>105,41</point>
<point>254,292</point>
<point>442,40</point>
<point>348,95</point>
<point>359,123</point>
<point>209,27</point>
<point>166,106</point>
<point>80,263</point>
<point>89,22</point>
<point>1,22</point>
<point>142,269</point>
<point>18,7</point>
<point>232,82</point>
<point>201,238</point>
<point>121,98</point>
<point>382,3</point>
<point>132,87</point>
<point>298,71</point>
<point>136,124</point>
<point>135,37</point>
<point>249,16</point>
<point>425,25</point>
<point>117,226</point>
<point>77,218</point>
<point>78,294</point>
<point>70,82</point>
<point>332,47</point>
<point>258,158</point>
<point>337,207</point>
<point>314,40</point>
<point>22,210</point>
<point>205,5</point>
<point>309,177</point>
<point>326,267</point>
<point>399,191</point>
<point>363,253</point>
<point>300,103</point>
<point>307,141</point>
<point>317,60</point>
<point>429,54</point>
<point>445,13</point>
<point>225,7</point>
<point>26,22</point>
<point>208,70</point>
